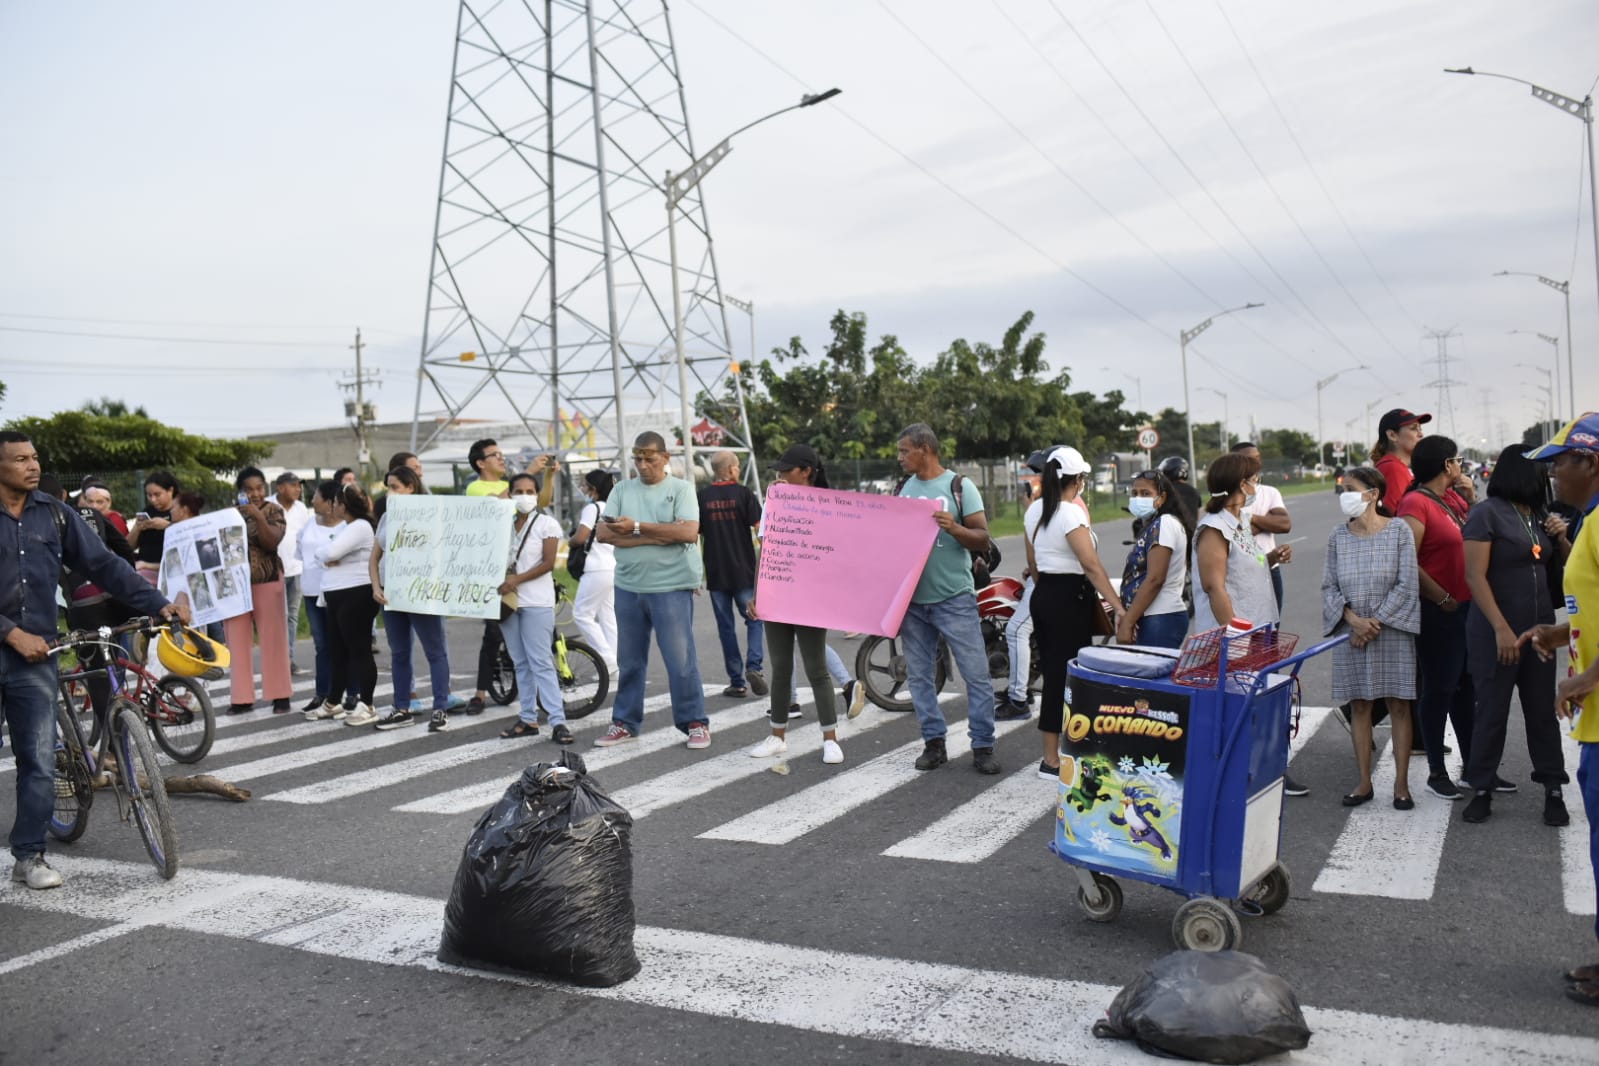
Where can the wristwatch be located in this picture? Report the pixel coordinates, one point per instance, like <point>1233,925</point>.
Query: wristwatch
<point>637,529</point>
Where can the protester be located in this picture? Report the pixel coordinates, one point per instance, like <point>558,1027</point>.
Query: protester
<point>321,532</point>
<point>729,513</point>
<point>798,465</point>
<point>1268,517</point>
<point>594,607</point>
<point>944,604</point>
<point>347,594</point>
<point>1573,458</point>
<point>1436,512</point>
<point>1062,555</point>
<point>345,476</point>
<point>147,535</point>
<point>1507,553</point>
<point>296,517</point>
<point>654,522</point>
<point>264,529</point>
<point>28,621</point>
<point>530,628</point>
<point>1369,590</point>
<point>1157,565</point>
<point>1398,433</point>
<point>88,605</point>
<point>399,626</point>
<point>95,494</point>
<point>1016,702</point>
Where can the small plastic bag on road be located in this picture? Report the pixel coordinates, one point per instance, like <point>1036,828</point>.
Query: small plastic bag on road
<point>545,883</point>
<point>1221,1006</point>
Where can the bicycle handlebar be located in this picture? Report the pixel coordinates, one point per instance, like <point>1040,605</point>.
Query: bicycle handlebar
<point>104,634</point>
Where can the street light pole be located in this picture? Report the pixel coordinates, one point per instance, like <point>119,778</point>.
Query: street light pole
<point>1582,109</point>
<point>1321,441</point>
<point>1370,407</point>
<point>1564,289</point>
<point>676,187</point>
<point>1225,417</point>
<point>748,307</point>
<point>1553,342</point>
<point>1548,389</point>
<point>1184,337</point>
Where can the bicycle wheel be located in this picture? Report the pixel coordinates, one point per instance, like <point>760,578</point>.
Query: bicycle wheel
<point>502,679</point>
<point>74,787</point>
<point>584,679</point>
<point>144,787</point>
<point>180,716</point>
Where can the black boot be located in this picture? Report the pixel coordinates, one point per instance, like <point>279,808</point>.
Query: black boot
<point>933,755</point>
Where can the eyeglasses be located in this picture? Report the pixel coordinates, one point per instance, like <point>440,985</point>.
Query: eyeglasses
<point>1456,459</point>
<point>645,456</point>
<point>494,455</point>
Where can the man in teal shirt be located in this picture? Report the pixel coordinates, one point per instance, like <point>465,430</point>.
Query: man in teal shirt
<point>945,604</point>
<point>653,522</point>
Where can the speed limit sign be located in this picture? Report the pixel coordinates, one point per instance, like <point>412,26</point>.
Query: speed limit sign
<point>1148,439</point>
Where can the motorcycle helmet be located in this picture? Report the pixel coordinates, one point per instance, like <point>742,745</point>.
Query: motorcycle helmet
<point>191,654</point>
<point>1174,467</point>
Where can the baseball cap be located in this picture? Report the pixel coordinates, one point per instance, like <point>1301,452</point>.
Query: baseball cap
<point>799,455</point>
<point>1035,462</point>
<point>1069,460</point>
<point>1580,435</point>
<point>1398,418</point>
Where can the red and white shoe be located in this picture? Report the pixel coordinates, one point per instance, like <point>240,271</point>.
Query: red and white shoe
<point>617,734</point>
<point>699,737</point>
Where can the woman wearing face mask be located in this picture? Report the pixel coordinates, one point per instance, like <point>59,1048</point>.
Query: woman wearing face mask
<point>268,617</point>
<point>1233,574</point>
<point>1369,590</point>
<point>530,630</point>
<point>594,607</point>
<point>1157,567</point>
<point>399,625</point>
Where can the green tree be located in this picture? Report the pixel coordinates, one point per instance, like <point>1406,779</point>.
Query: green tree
<point>110,408</point>
<point>83,442</point>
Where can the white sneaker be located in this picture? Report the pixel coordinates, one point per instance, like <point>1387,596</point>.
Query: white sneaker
<point>362,715</point>
<point>35,873</point>
<point>831,752</point>
<point>770,748</point>
<point>854,697</point>
<point>326,712</point>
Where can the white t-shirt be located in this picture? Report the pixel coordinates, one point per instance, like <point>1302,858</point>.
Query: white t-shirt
<point>297,516</point>
<point>346,557</point>
<point>1267,499</point>
<point>540,592</point>
<point>312,538</point>
<point>601,556</point>
<point>1170,597</point>
<point>1051,551</point>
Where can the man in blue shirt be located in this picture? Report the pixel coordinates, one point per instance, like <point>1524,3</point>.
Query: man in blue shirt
<point>38,535</point>
<point>945,605</point>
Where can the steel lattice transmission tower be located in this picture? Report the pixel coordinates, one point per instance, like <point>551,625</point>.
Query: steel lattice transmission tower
<point>549,291</point>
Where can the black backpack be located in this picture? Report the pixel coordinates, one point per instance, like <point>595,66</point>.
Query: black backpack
<point>984,561</point>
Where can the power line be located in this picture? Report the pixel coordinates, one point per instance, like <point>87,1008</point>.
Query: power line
<point>164,340</point>
<point>194,325</point>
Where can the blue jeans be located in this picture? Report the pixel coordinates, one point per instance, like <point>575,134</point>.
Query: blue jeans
<point>28,700</point>
<point>429,629</point>
<point>1019,640</point>
<point>1588,784</point>
<point>292,599</point>
<point>835,669</point>
<point>317,617</point>
<point>1164,630</point>
<point>529,632</point>
<point>671,616</point>
<point>1277,587</point>
<point>954,619</point>
<point>723,604</point>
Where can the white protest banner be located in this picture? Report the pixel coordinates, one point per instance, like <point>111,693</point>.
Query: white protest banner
<point>207,564</point>
<point>446,555</point>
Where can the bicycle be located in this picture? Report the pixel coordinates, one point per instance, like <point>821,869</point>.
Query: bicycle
<point>123,758</point>
<point>585,680</point>
<point>177,709</point>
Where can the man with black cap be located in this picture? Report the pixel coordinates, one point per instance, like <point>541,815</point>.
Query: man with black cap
<point>1397,436</point>
<point>287,487</point>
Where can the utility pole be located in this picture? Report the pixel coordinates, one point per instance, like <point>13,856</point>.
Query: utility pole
<point>361,414</point>
<point>1443,383</point>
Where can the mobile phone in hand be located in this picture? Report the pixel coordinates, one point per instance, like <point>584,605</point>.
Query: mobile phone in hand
<point>142,516</point>
<point>607,518</point>
<point>243,499</point>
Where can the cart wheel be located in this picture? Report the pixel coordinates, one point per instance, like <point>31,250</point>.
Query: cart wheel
<point>1206,924</point>
<point>1271,895</point>
<point>1107,906</point>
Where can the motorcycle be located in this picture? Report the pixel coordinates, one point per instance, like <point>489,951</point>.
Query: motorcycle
<point>880,662</point>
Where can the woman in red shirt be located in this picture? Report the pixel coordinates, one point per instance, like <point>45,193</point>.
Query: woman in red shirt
<point>1397,436</point>
<point>1435,508</point>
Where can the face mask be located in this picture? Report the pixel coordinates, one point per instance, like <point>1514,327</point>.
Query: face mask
<point>1353,503</point>
<point>1141,506</point>
<point>1249,500</point>
<point>526,504</point>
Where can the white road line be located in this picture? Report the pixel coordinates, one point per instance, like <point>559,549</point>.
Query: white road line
<point>1311,719</point>
<point>985,823</point>
<point>393,773</point>
<point>790,818</point>
<point>1576,866</point>
<point>844,994</point>
<point>65,947</point>
<point>302,689</point>
<point>1389,853</point>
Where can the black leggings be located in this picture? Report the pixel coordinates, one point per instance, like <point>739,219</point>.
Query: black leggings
<point>351,613</point>
<point>1063,625</point>
<point>488,653</point>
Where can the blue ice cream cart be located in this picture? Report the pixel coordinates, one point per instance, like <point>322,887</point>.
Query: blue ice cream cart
<point>1171,773</point>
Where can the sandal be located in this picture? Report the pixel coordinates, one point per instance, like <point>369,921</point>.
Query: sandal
<point>1580,974</point>
<point>1355,799</point>
<point>520,729</point>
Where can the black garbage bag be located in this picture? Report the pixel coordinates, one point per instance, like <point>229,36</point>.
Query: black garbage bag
<point>545,884</point>
<point>1210,1006</point>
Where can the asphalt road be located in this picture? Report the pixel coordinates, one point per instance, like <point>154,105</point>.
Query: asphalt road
<point>813,916</point>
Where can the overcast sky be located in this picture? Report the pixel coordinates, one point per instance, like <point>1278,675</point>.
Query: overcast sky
<point>268,173</point>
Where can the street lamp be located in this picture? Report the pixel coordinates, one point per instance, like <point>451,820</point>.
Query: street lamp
<point>1549,392</point>
<point>748,307</point>
<point>1370,407</point>
<point>1184,337</point>
<point>1321,443</point>
<point>1583,110</point>
<point>676,187</point>
<point>1225,417</point>
<point>1564,289</point>
<point>1553,342</point>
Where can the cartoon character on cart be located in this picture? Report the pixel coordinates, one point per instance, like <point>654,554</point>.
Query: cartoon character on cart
<point>1138,815</point>
<point>1093,774</point>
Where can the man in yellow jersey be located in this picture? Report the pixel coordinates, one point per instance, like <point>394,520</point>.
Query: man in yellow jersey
<point>1573,456</point>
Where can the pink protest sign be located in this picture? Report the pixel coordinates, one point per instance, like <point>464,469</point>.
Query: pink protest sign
<point>842,560</point>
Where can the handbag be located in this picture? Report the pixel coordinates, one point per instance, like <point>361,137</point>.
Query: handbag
<point>577,555</point>
<point>509,600</point>
<point>1101,622</point>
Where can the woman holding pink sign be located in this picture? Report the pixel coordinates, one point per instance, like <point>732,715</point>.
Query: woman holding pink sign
<point>799,465</point>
